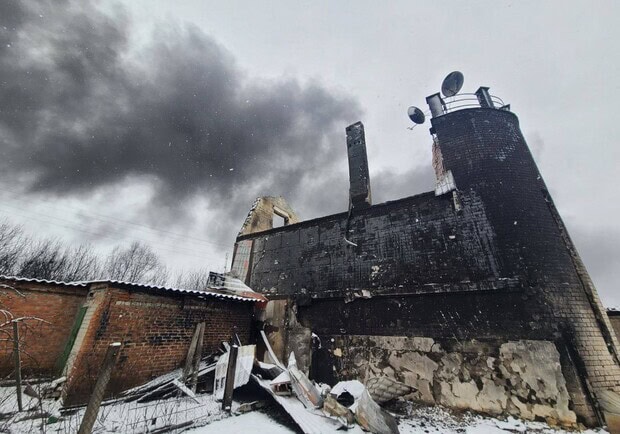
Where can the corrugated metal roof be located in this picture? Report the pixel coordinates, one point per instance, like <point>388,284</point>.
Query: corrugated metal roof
<point>86,283</point>
<point>45,281</point>
<point>258,297</point>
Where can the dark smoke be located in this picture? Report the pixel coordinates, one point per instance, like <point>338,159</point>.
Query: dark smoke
<point>82,107</point>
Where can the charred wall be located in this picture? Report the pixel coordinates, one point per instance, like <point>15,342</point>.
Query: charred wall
<point>487,153</point>
<point>490,260</point>
<point>422,243</point>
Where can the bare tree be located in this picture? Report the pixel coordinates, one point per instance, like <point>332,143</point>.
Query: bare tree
<point>196,279</point>
<point>44,259</point>
<point>50,259</point>
<point>136,263</point>
<point>82,264</point>
<point>12,243</point>
<point>22,255</point>
<point>160,276</point>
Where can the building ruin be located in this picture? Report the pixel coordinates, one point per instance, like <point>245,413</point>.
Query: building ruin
<point>474,293</point>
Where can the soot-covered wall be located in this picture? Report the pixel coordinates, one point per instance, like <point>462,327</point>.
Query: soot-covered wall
<point>421,243</point>
<point>491,260</point>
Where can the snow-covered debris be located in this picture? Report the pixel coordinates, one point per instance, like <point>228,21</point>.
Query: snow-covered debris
<point>117,417</point>
<point>354,387</point>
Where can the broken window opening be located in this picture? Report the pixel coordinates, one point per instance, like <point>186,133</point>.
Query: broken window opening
<point>280,218</point>
<point>278,221</point>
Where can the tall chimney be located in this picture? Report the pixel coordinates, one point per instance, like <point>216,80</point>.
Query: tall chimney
<point>359,179</point>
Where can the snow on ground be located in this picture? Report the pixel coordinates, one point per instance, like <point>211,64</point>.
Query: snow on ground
<point>207,417</point>
<point>418,420</point>
<point>254,422</point>
<point>431,420</point>
<point>119,417</point>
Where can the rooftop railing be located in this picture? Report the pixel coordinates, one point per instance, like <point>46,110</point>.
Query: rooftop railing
<point>481,98</point>
<point>469,100</point>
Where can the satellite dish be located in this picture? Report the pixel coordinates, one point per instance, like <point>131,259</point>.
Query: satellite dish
<point>452,84</point>
<point>416,115</point>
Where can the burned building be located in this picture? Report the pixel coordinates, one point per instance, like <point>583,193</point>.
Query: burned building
<point>474,293</point>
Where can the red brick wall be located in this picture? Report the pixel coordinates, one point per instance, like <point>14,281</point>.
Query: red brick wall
<point>155,330</point>
<point>42,343</point>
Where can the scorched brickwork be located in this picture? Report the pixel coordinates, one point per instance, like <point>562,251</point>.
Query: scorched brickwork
<point>486,260</point>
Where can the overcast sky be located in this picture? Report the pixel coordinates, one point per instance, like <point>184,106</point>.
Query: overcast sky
<point>161,121</point>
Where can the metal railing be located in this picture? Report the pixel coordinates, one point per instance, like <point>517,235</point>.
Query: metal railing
<point>468,100</point>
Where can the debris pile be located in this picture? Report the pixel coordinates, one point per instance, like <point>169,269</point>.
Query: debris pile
<point>170,384</point>
<point>317,408</point>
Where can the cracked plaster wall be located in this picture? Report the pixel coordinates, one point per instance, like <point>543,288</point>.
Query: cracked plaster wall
<point>523,378</point>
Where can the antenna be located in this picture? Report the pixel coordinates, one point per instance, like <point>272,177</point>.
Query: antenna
<point>452,84</point>
<point>416,115</point>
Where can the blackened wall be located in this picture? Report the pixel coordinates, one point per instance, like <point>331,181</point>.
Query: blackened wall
<point>490,260</point>
<point>487,154</point>
<point>420,243</point>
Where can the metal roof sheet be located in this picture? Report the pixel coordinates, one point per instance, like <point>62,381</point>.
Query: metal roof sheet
<point>87,283</point>
<point>45,281</point>
<point>195,292</point>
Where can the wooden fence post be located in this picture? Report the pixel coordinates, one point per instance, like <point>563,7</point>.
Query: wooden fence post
<point>230,378</point>
<point>92,410</point>
<point>18,366</point>
<point>197,356</point>
<point>189,360</point>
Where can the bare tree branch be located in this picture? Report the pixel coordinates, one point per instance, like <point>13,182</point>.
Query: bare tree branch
<point>136,263</point>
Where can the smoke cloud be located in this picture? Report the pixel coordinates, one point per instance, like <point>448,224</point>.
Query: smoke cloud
<point>82,106</point>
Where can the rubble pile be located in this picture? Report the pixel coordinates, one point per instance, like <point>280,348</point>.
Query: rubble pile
<point>318,408</point>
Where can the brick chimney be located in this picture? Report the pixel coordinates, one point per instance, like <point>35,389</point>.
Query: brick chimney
<point>359,179</point>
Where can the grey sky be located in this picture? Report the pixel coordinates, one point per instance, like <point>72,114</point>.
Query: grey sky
<point>306,69</point>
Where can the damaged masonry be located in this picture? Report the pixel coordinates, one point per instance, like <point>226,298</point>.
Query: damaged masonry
<point>471,296</point>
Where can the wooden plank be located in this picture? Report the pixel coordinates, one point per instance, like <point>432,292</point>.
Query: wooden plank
<point>197,356</point>
<point>190,354</point>
<point>230,378</point>
<point>90,415</point>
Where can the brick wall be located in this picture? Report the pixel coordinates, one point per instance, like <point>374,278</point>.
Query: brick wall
<point>487,153</point>
<point>155,331</point>
<point>419,243</point>
<point>42,343</point>
<point>493,260</point>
